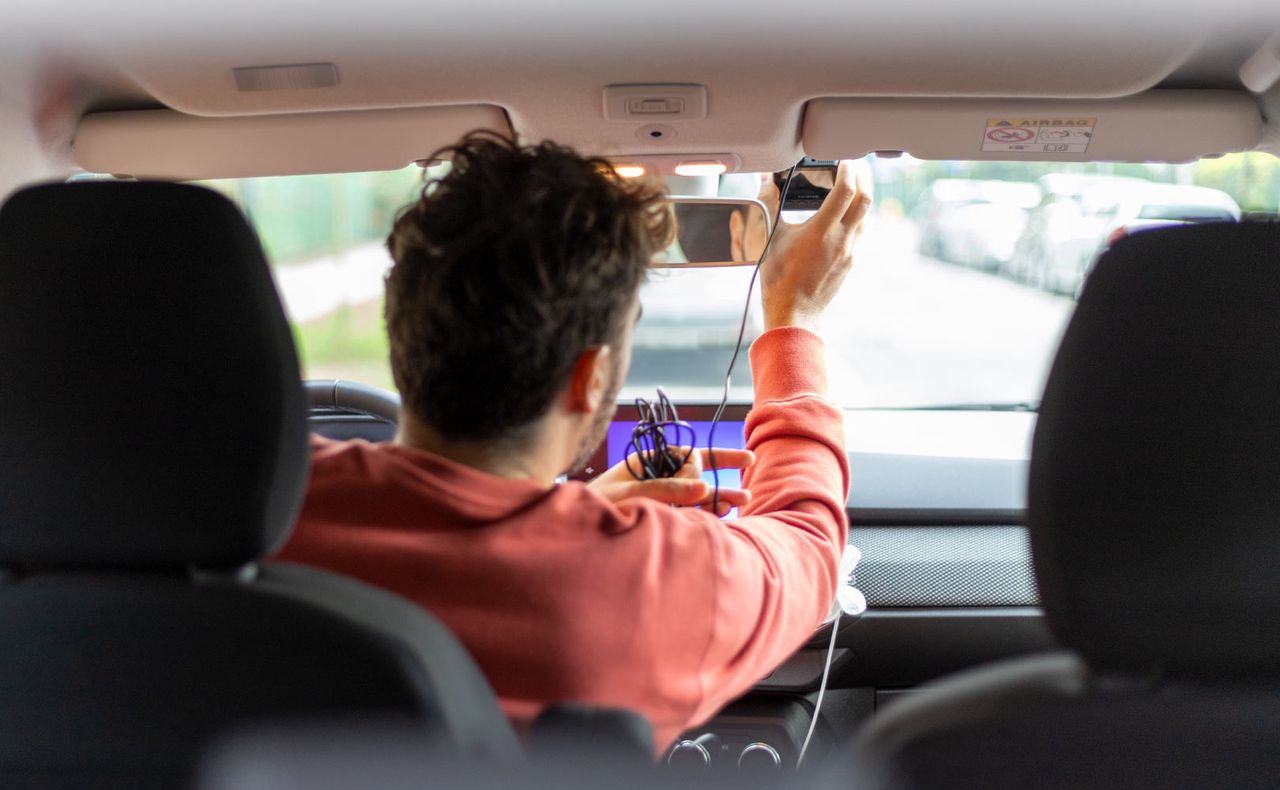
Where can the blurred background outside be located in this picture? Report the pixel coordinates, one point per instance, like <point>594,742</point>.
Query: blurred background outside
<point>964,280</point>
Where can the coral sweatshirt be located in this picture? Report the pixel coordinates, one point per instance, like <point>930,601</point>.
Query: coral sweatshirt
<point>561,595</point>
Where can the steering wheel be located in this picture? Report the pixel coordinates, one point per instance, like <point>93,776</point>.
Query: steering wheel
<point>340,409</point>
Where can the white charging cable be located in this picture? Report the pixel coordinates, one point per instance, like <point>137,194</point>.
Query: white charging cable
<point>851,602</point>
<point>822,690</point>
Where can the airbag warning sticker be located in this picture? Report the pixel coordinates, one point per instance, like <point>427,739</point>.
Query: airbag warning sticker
<point>1038,135</point>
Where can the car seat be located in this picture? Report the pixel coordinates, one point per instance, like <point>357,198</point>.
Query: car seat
<point>152,450</point>
<point>1154,519</point>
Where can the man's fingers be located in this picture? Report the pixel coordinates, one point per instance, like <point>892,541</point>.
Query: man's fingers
<point>729,499</point>
<point>734,497</point>
<point>672,490</point>
<point>726,458</point>
<point>836,203</point>
<point>683,491</point>
<point>857,212</point>
<point>861,202</point>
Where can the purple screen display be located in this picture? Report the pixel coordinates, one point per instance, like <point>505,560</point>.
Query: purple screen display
<point>728,435</point>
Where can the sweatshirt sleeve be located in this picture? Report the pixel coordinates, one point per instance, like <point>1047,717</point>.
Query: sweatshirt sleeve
<point>774,568</point>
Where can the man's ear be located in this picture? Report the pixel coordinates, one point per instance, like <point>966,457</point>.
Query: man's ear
<point>589,381</point>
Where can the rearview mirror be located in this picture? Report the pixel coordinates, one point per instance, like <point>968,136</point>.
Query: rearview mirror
<point>715,232</point>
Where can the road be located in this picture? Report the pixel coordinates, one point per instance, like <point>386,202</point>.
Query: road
<point>904,331</point>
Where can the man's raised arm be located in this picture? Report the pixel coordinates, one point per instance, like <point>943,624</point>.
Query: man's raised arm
<point>775,567</point>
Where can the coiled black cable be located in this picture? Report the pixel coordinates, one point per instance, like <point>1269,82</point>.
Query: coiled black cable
<point>661,442</point>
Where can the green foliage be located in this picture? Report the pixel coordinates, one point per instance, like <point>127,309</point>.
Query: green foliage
<point>301,218</point>
<point>1252,179</point>
<point>304,217</point>
<point>349,343</point>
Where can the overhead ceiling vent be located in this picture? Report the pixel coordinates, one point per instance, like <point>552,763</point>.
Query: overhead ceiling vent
<point>251,79</point>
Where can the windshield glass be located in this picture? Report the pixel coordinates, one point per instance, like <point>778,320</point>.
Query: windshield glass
<point>324,236</point>
<point>964,278</point>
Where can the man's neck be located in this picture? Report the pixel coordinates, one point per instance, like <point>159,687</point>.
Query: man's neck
<point>494,458</point>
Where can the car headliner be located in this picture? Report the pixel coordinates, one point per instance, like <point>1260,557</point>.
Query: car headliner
<point>545,65</point>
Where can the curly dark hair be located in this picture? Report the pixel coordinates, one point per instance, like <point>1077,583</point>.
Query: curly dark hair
<point>506,269</point>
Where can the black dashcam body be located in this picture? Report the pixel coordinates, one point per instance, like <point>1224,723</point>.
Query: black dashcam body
<point>810,184</point>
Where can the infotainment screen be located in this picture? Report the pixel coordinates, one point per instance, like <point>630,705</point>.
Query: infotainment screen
<point>698,415</point>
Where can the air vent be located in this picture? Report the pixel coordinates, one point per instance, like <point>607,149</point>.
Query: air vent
<point>285,78</point>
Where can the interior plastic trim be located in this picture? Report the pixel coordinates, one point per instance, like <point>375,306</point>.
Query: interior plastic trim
<point>1158,125</point>
<point>165,144</point>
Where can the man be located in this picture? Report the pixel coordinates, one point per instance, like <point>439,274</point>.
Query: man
<point>509,311</point>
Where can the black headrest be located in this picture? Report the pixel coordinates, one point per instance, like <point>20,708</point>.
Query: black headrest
<point>1154,501</point>
<point>151,412</point>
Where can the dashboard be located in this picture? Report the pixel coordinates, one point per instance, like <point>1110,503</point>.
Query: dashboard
<point>936,508</point>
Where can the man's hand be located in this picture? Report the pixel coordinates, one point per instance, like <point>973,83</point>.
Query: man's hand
<point>808,262</point>
<point>686,488</point>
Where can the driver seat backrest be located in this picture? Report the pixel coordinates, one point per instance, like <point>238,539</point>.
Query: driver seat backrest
<point>1154,519</point>
<point>152,450</point>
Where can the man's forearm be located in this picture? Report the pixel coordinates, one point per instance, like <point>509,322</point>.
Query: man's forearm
<point>801,474</point>
<point>775,567</point>
<point>788,364</point>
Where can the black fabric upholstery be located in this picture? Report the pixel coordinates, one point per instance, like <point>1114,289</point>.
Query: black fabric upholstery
<point>613,736</point>
<point>1045,723</point>
<point>152,440</point>
<point>1154,502</point>
<point>373,755</point>
<point>128,677</point>
<point>124,679</point>
<point>1154,519</point>
<point>152,413</point>
<point>445,676</point>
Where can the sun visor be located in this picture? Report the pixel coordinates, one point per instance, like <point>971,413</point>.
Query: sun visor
<point>167,144</point>
<point>1159,125</point>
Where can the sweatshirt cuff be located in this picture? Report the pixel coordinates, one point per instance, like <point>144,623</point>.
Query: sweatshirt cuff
<point>787,362</point>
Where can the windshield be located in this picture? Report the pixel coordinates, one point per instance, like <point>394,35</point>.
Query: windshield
<point>324,237</point>
<point>964,279</point>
